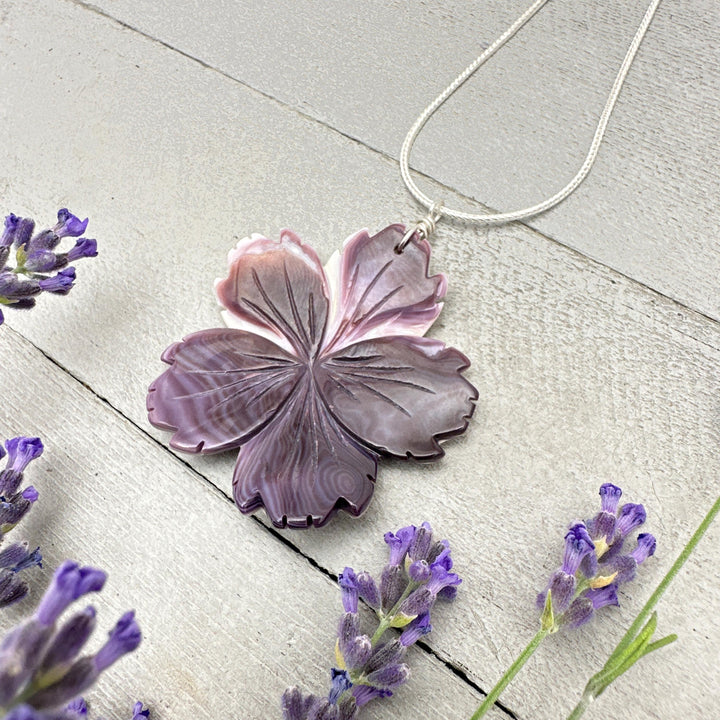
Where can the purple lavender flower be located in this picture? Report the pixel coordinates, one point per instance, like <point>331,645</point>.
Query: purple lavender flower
<point>78,706</point>
<point>39,662</point>
<point>36,256</point>
<point>59,284</point>
<point>372,667</point>
<point>594,565</point>
<point>14,505</point>
<point>68,225</point>
<point>139,712</point>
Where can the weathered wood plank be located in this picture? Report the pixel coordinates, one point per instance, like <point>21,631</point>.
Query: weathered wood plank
<point>518,131</point>
<point>584,376</point>
<point>230,615</point>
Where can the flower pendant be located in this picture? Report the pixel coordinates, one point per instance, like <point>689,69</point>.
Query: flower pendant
<point>319,372</point>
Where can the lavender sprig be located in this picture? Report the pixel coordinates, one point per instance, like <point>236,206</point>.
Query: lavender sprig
<point>40,671</point>
<point>14,505</point>
<point>37,258</point>
<point>369,667</point>
<point>594,565</point>
<point>638,640</point>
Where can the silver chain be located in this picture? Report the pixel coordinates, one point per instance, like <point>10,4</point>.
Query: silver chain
<point>437,209</point>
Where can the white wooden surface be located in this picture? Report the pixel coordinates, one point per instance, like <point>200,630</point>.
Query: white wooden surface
<point>178,131</point>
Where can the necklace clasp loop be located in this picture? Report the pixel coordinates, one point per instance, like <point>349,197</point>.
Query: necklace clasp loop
<point>423,228</point>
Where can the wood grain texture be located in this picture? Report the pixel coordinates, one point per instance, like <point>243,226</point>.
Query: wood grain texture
<point>230,616</point>
<point>585,376</point>
<point>519,130</point>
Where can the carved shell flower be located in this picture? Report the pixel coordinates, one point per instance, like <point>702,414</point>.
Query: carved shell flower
<point>318,373</point>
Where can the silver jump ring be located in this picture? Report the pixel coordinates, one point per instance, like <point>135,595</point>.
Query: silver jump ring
<point>424,227</point>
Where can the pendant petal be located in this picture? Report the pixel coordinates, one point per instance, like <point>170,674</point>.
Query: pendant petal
<point>223,385</point>
<point>381,292</point>
<point>303,466</point>
<point>399,395</point>
<point>278,289</point>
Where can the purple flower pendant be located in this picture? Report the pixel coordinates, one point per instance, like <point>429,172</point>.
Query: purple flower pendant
<point>318,373</point>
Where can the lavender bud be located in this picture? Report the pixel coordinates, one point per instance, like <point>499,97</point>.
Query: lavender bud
<point>368,590</point>
<point>59,284</point>
<point>392,586</point>
<point>419,571</point>
<point>340,683</point>
<point>625,566</point>
<point>12,588</point>
<point>610,497</point>
<point>589,565</point>
<point>294,704</point>
<point>78,678</point>
<point>442,557</point>
<point>22,451</point>
<point>602,526</point>
<point>41,261</point>
<point>9,482</point>
<point>30,494</point>
<point>580,612</point>
<point>419,627</point>
<point>23,231</point>
<point>420,546</point>
<point>631,516</point>
<point>78,706</point>
<point>349,586</point>
<point>124,638</point>
<point>389,676</point>
<point>20,654</point>
<point>16,290</point>
<point>364,694</point>
<point>390,653</point>
<point>603,596</point>
<point>45,240</point>
<point>68,642</point>
<point>357,652</point>
<point>68,225</point>
<point>399,543</point>
<point>13,511</point>
<point>13,554</point>
<point>348,630</point>
<point>31,559</point>
<point>69,583</point>
<point>139,713</point>
<point>347,708</point>
<point>577,545</point>
<point>418,602</point>
<point>8,235</point>
<point>321,709</point>
<point>646,545</point>
<point>85,247</point>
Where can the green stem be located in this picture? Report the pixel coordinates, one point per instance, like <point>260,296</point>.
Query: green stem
<point>582,706</point>
<point>510,673</point>
<point>660,589</point>
<point>386,622</point>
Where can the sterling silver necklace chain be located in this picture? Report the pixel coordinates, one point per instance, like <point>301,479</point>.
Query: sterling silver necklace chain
<point>438,210</point>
